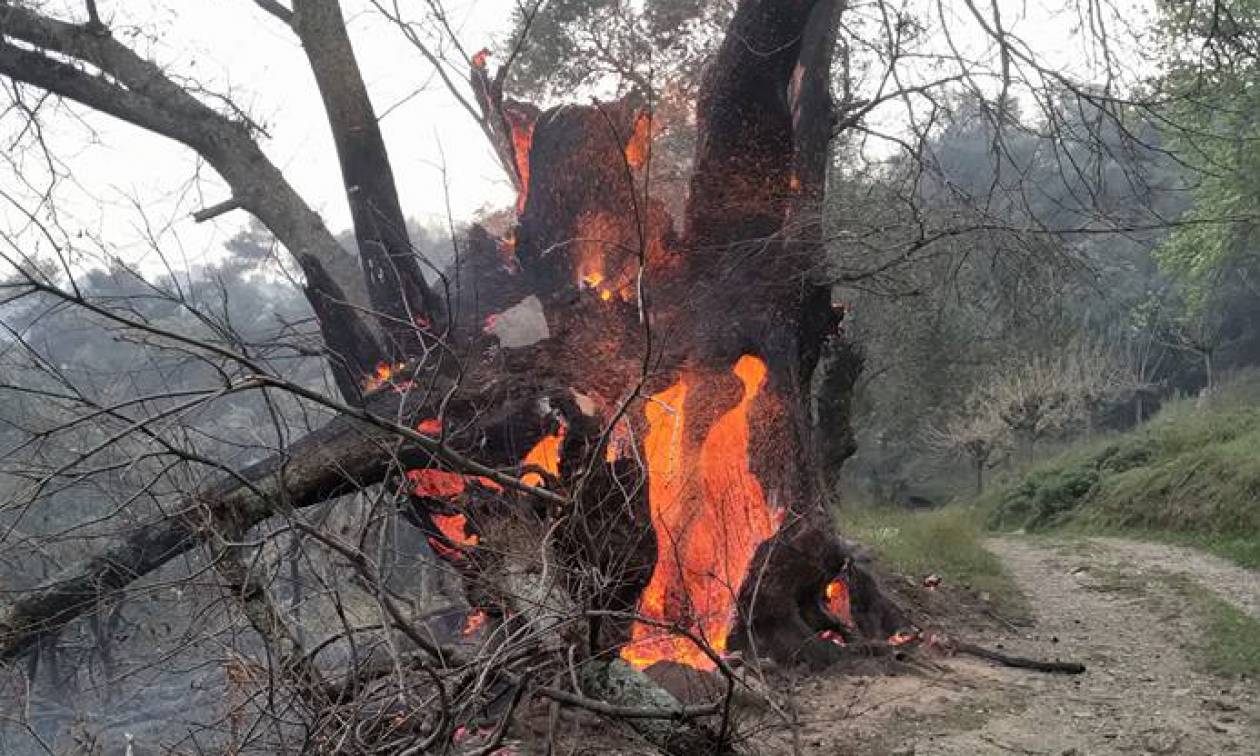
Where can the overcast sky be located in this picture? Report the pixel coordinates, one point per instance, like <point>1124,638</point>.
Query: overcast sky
<point>113,170</point>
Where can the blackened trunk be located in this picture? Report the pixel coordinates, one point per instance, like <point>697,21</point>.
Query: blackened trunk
<point>405,304</point>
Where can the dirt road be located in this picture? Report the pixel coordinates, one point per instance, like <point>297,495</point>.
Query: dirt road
<point>1106,602</point>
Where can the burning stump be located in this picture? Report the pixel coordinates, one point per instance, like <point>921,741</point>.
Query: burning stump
<point>692,523</point>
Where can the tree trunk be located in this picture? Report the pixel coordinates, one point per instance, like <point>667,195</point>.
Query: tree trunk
<point>403,301</point>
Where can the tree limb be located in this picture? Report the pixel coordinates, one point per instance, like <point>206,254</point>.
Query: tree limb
<point>139,92</point>
<point>277,10</point>
<point>354,451</point>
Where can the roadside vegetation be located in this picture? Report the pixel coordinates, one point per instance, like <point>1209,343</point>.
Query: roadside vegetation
<point>1191,475</point>
<point>1230,642</point>
<point>945,543</point>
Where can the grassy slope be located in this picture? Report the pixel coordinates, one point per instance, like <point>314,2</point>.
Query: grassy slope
<point>1191,475</point>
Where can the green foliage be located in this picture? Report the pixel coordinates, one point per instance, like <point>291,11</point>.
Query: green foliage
<point>1210,125</point>
<point>1040,498</point>
<point>1193,473</point>
<point>597,45</point>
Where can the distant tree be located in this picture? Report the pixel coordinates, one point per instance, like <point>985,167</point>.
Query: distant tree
<point>978,437</point>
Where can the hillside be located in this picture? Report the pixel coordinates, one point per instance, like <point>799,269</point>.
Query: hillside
<point>1192,475</point>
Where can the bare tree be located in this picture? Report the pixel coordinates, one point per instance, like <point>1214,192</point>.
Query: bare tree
<point>977,438</point>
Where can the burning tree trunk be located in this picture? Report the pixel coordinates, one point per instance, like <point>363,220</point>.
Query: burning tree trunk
<point>706,403</point>
<point>678,493</point>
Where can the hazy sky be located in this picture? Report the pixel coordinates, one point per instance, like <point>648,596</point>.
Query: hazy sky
<point>111,171</point>
<point>232,47</point>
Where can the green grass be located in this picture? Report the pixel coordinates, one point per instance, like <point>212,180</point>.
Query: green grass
<point>946,542</point>
<point>1230,644</point>
<point>1191,475</point>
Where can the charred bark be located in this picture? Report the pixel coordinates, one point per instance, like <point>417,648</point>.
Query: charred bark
<point>781,614</point>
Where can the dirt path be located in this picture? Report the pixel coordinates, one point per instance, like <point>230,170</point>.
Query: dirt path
<point>1104,602</point>
<point>1237,585</point>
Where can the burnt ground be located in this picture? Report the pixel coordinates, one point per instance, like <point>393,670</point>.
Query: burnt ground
<point>1120,607</point>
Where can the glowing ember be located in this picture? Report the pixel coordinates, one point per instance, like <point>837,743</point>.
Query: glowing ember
<point>455,528</point>
<point>436,484</point>
<point>384,374</point>
<point>640,144</point>
<point>507,251</point>
<point>441,484</point>
<point>431,426</point>
<point>597,234</point>
<point>593,280</point>
<point>901,638</point>
<point>837,601</point>
<point>474,622</point>
<point>707,525</point>
<point>833,637</point>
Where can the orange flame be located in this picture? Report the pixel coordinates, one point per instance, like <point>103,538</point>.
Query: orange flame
<point>430,426</point>
<point>837,601</point>
<point>546,455</point>
<point>707,526</point>
<point>640,143</point>
<point>522,141</point>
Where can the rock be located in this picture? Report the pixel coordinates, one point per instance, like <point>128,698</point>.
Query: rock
<point>691,686</point>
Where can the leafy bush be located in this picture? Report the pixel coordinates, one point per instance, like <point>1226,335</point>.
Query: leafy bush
<point>1044,495</point>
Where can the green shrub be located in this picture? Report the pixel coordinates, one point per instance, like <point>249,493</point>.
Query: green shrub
<point>1193,472</point>
<point>1044,496</point>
